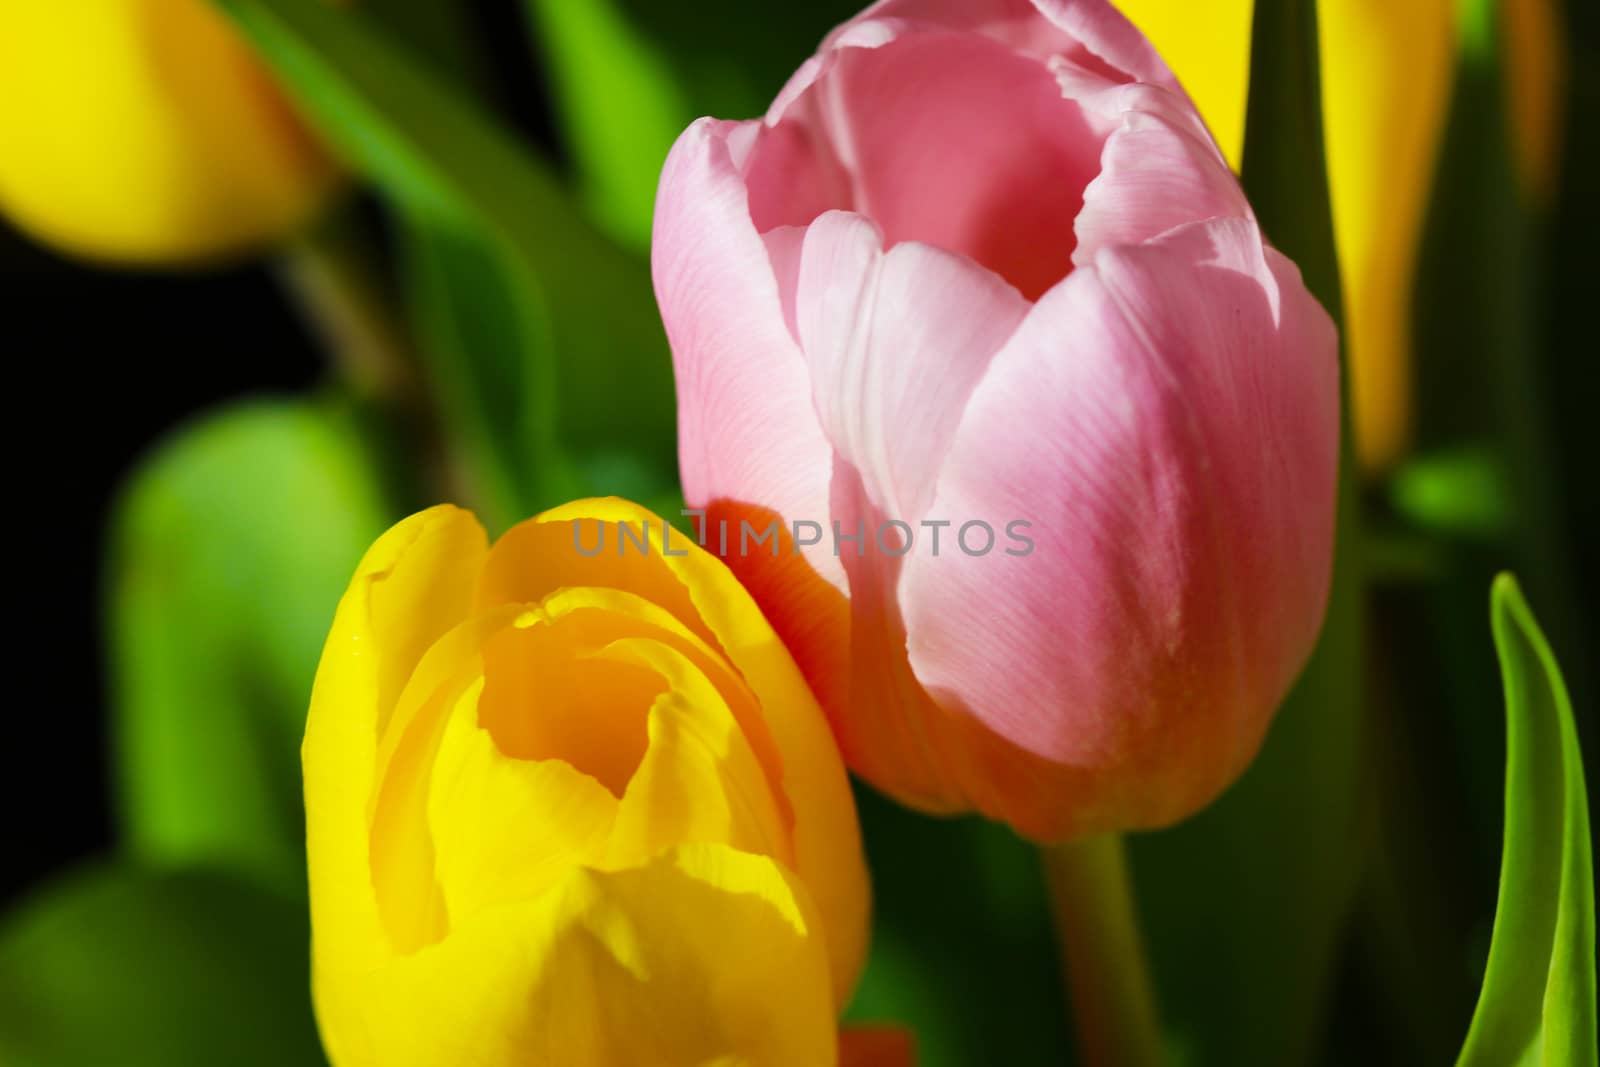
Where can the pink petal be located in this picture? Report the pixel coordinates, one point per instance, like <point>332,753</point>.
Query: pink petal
<point>1110,38</point>
<point>746,428</point>
<point>793,176</point>
<point>895,118</point>
<point>1166,420</point>
<point>896,341</point>
<point>910,134</point>
<point>1039,29</point>
<point>1160,170</point>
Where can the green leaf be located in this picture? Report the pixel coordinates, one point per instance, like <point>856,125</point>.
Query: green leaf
<point>544,336</point>
<point>622,107</point>
<point>444,34</point>
<point>1457,493</point>
<point>230,550</point>
<point>1538,999</point>
<point>140,969</point>
<point>1485,362</point>
<point>1245,904</point>
<point>476,325</point>
<point>629,75</point>
<point>733,56</point>
<point>1285,169</point>
<point>963,952</point>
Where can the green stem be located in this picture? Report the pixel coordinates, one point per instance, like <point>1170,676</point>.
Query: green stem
<point>345,305</point>
<point>1110,992</point>
<point>340,291</point>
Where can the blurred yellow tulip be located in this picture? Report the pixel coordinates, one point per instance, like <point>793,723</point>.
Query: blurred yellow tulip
<point>1387,74</point>
<point>569,802</point>
<point>143,132</point>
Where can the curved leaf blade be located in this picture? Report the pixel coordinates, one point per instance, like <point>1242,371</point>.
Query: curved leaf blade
<point>1538,999</point>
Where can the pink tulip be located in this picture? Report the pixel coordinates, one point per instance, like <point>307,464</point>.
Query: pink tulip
<point>982,264</point>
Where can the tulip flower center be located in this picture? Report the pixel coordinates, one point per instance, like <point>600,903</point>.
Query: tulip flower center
<point>949,139</point>
<point>591,713</point>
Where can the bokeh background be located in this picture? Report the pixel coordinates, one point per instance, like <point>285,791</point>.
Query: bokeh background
<point>106,364</point>
<point>112,361</point>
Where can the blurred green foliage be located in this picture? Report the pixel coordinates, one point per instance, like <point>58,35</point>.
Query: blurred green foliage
<point>1462,494</point>
<point>230,550</point>
<point>541,335</point>
<point>622,105</point>
<point>1489,488</point>
<point>630,75</point>
<point>139,968</point>
<point>962,951</point>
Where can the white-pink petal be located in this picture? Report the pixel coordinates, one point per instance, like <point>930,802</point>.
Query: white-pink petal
<point>895,342</point>
<point>746,428</point>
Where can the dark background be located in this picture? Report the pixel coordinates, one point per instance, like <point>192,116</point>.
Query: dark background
<point>100,366</point>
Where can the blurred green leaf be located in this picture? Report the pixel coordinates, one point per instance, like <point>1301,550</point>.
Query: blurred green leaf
<point>230,550</point>
<point>1484,362</point>
<point>622,105</point>
<point>471,319</point>
<point>629,75</point>
<point>733,56</point>
<point>1460,492</point>
<point>544,334</point>
<point>963,952</point>
<point>442,32</point>
<point>1538,999</point>
<point>126,967</point>
<point>1245,904</point>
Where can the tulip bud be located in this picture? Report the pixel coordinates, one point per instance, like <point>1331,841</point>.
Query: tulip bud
<point>143,132</point>
<point>979,318</point>
<point>570,803</point>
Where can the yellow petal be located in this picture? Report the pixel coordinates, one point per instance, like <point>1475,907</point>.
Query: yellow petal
<point>507,829</point>
<point>548,698</point>
<point>144,131</point>
<point>1386,76</point>
<point>610,615</point>
<point>1207,45</point>
<point>413,584</point>
<point>700,779</point>
<point>538,557</point>
<point>447,699</point>
<point>706,956</point>
<point>513,738</point>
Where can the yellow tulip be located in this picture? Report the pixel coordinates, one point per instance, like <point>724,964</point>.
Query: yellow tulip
<point>572,810</point>
<point>1387,74</point>
<point>144,132</point>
